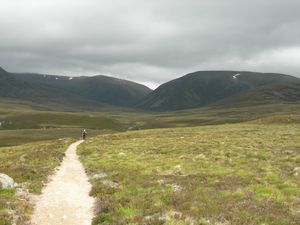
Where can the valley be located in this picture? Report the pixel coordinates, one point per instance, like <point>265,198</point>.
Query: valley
<point>233,160</point>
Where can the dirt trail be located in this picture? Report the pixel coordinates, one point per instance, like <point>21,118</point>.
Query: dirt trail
<point>65,200</point>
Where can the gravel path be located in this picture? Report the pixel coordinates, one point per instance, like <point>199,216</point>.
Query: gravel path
<point>65,200</point>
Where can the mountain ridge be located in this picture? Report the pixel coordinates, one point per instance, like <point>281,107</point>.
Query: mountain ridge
<point>202,88</point>
<point>98,90</point>
<point>193,90</point>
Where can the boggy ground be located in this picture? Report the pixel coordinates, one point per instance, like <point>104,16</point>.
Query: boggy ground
<point>29,165</point>
<point>219,174</point>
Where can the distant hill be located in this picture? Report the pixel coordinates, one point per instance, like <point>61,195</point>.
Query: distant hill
<point>203,88</point>
<point>206,87</point>
<point>267,94</point>
<point>108,90</point>
<point>80,92</point>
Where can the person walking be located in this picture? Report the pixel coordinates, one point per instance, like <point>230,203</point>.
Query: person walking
<point>83,134</point>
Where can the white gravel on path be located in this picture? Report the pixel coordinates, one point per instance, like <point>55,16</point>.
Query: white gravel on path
<point>65,200</point>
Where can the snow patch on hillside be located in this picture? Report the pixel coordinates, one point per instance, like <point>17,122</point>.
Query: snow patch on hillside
<point>236,75</point>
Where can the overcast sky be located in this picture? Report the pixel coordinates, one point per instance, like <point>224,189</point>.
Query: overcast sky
<point>149,41</point>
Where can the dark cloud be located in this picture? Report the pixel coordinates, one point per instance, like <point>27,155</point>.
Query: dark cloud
<point>149,41</point>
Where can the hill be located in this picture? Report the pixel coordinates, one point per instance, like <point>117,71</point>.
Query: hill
<point>206,87</point>
<point>82,92</point>
<point>269,94</point>
<point>203,88</point>
<point>42,95</point>
<point>108,90</point>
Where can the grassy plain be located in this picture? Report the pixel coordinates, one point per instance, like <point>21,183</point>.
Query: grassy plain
<point>29,165</point>
<point>245,173</point>
<point>214,165</point>
<point>23,136</point>
<point>21,126</point>
<point>122,120</point>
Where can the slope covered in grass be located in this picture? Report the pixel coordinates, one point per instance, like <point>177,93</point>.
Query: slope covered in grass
<point>221,174</point>
<point>29,165</point>
<point>77,93</point>
<point>203,88</point>
<point>21,137</point>
<point>39,119</point>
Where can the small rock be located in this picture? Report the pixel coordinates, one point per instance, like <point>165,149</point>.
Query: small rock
<point>191,221</point>
<point>121,154</point>
<point>225,223</point>
<point>175,187</point>
<point>177,167</point>
<point>161,182</point>
<point>156,216</point>
<point>64,217</point>
<point>296,169</point>
<point>111,184</point>
<point>200,156</point>
<point>6,181</point>
<point>50,216</point>
<point>99,176</point>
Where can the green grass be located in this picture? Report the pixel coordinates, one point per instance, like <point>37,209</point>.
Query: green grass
<point>121,120</point>
<point>11,120</point>
<point>23,136</point>
<point>29,165</point>
<point>230,172</point>
<point>218,174</point>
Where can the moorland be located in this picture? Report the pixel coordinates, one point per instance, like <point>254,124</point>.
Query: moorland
<point>225,151</point>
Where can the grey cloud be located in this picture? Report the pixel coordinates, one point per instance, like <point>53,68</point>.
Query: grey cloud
<point>149,41</point>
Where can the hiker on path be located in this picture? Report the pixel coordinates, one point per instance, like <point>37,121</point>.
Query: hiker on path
<point>83,134</point>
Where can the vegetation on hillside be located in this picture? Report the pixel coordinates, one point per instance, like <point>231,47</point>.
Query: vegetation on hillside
<point>29,165</point>
<point>224,173</point>
<point>73,93</point>
<point>206,87</point>
<point>20,126</point>
<point>221,174</point>
<point>98,93</point>
<point>24,136</point>
<point>116,120</point>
